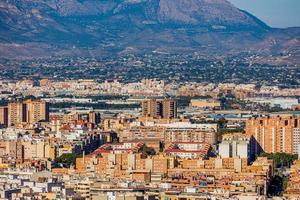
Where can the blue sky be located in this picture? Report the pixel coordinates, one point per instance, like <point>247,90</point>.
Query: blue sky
<point>276,13</point>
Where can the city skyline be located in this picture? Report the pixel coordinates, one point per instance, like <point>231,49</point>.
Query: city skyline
<point>149,100</point>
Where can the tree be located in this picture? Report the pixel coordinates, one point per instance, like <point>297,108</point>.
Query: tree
<point>147,151</point>
<point>66,159</point>
<point>280,159</point>
<point>276,186</point>
<point>222,122</point>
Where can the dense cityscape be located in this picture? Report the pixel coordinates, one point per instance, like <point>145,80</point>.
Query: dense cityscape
<point>83,139</point>
<point>149,100</point>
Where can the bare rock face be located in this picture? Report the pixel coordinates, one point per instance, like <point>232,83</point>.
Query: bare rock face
<point>204,13</point>
<point>114,25</point>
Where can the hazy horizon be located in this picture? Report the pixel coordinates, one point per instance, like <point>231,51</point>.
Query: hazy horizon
<point>275,13</point>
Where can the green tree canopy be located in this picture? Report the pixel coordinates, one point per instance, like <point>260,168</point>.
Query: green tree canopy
<point>280,159</point>
<point>66,159</point>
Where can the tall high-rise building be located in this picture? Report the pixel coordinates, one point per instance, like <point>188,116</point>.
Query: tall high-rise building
<point>275,134</point>
<point>169,109</point>
<point>150,108</point>
<point>3,116</point>
<point>159,108</point>
<point>16,113</point>
<point>30,111</point>
<point>94,117</point>
<point>36,111</point>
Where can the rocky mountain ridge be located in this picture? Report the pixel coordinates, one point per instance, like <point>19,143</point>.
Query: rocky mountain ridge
<point>31,28</point>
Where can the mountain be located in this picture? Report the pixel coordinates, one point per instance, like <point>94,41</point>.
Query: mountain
<point>94,27</point>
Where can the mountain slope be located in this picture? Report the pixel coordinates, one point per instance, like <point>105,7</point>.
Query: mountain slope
<point>73,26</point>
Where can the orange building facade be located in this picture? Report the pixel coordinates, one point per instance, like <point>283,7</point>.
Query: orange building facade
<point>275,134</point>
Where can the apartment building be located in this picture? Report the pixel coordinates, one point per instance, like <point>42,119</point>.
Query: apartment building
<point>36,111</point>
<point>293,187</point>
<point>3,116</point>
<point>30,111</point>
<point>192,150</point>
<point>16,113</point>
<point>235,145</point>
<point>275,133</point>
<point>170,133</point>
<point>159,108</point>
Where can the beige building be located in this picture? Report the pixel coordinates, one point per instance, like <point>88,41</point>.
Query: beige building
<point>293,187</point>
<point>16,113</point>
<point>27,150</point>
<point>150,108</point>
<point>204,103</point>
<point>30,111</point>
<point>38,150</point>
<point>3,116</point>
<point>156,108</point>
<point>36,111</point>
<point>14,149</point>
<point>169,109</point>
